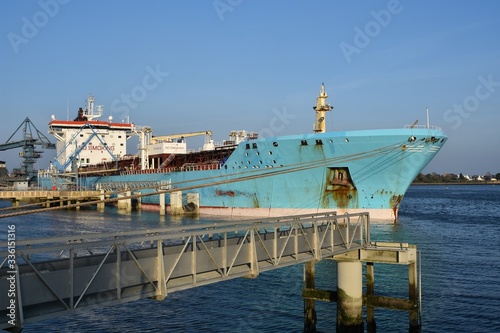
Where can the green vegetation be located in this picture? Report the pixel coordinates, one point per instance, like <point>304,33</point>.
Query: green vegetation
<point>450,178</point>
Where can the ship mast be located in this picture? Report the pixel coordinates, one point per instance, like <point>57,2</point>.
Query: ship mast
<point>321,107</point>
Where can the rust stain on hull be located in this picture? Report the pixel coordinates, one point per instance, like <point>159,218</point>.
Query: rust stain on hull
<point>394,203</point>
<point>339,189</point>
<point>232,194</point>
<point>221,193</point>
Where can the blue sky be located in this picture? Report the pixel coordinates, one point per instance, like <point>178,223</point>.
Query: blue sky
<point>221,65</point>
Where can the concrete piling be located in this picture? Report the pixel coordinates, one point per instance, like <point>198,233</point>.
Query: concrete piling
<point>162,204</point>
<point>370,291</point>
<point>412,292</point>
<point>138,202</point>
<point>350,296</point>
<point>101,205</point>
<point>176,203</point>
<point>309,304</point>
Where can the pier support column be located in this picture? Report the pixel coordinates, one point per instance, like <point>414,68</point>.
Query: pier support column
<point>125,204</point>
<point>176,203</point>
<point>309,304</point>
<point>121,204</point>
<point>412,288</point>
<point>128,206</point>
<point>162,204</point>
<point>350,296</point>
<point>370,291</point>
<point>138,205</point>
<point>101,205</point>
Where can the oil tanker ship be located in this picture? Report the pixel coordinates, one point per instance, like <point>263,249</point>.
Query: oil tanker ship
<point>346,171</point>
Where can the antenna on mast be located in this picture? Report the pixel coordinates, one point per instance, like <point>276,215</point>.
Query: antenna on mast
<point>321,107</point>
<point>428,123</point>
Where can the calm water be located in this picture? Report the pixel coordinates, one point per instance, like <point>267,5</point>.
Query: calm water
<point>457,229</point>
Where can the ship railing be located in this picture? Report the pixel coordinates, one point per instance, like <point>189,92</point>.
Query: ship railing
<point>424,126</point>
<point>196,167</point>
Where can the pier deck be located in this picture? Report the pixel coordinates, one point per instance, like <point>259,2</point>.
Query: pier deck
<point>48,196</point>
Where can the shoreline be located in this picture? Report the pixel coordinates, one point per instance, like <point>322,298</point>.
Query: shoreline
<point>453,183</point>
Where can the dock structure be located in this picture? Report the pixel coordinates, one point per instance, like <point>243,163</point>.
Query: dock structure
<point>49,198</point>
<point>57,276</point>
<point>349,296</point>
<point>125,199</point>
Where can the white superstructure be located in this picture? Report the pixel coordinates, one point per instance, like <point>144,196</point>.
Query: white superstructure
<point>86,141</point>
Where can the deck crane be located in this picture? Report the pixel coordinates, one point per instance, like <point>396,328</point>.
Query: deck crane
<point>208,145</point>
<point>31,137</point>
<point>155,139</point>
<point>144,134</point>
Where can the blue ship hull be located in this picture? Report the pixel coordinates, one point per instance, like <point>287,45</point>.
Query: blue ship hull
<point>350,171</point>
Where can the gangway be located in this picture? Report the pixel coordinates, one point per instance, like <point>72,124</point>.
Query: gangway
<point>45,278</point>
<point>56,276</point>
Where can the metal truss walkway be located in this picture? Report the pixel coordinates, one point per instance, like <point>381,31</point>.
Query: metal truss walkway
<point>50,277</point>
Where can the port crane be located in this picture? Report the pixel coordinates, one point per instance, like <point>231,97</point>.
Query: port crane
<point>31,137</point>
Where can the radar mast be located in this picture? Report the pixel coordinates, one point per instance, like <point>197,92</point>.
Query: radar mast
<point>321,107</point>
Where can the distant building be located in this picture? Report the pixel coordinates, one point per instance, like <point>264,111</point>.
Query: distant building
<point>21,185</point>
<point>3,169</point>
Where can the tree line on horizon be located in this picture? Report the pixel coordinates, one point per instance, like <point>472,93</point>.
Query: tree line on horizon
<point>454,178</point>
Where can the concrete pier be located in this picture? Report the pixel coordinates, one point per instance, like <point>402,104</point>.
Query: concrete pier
<point>309,304</point>
<point>412,292</point>
<point>138,200</point>
<point>162,204</point>
<point>370,291</point>
<point>101,205</point>
<point>350,296</point>
<point>49,198</point>
<point>126,203</point>
<point>176,203</point>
